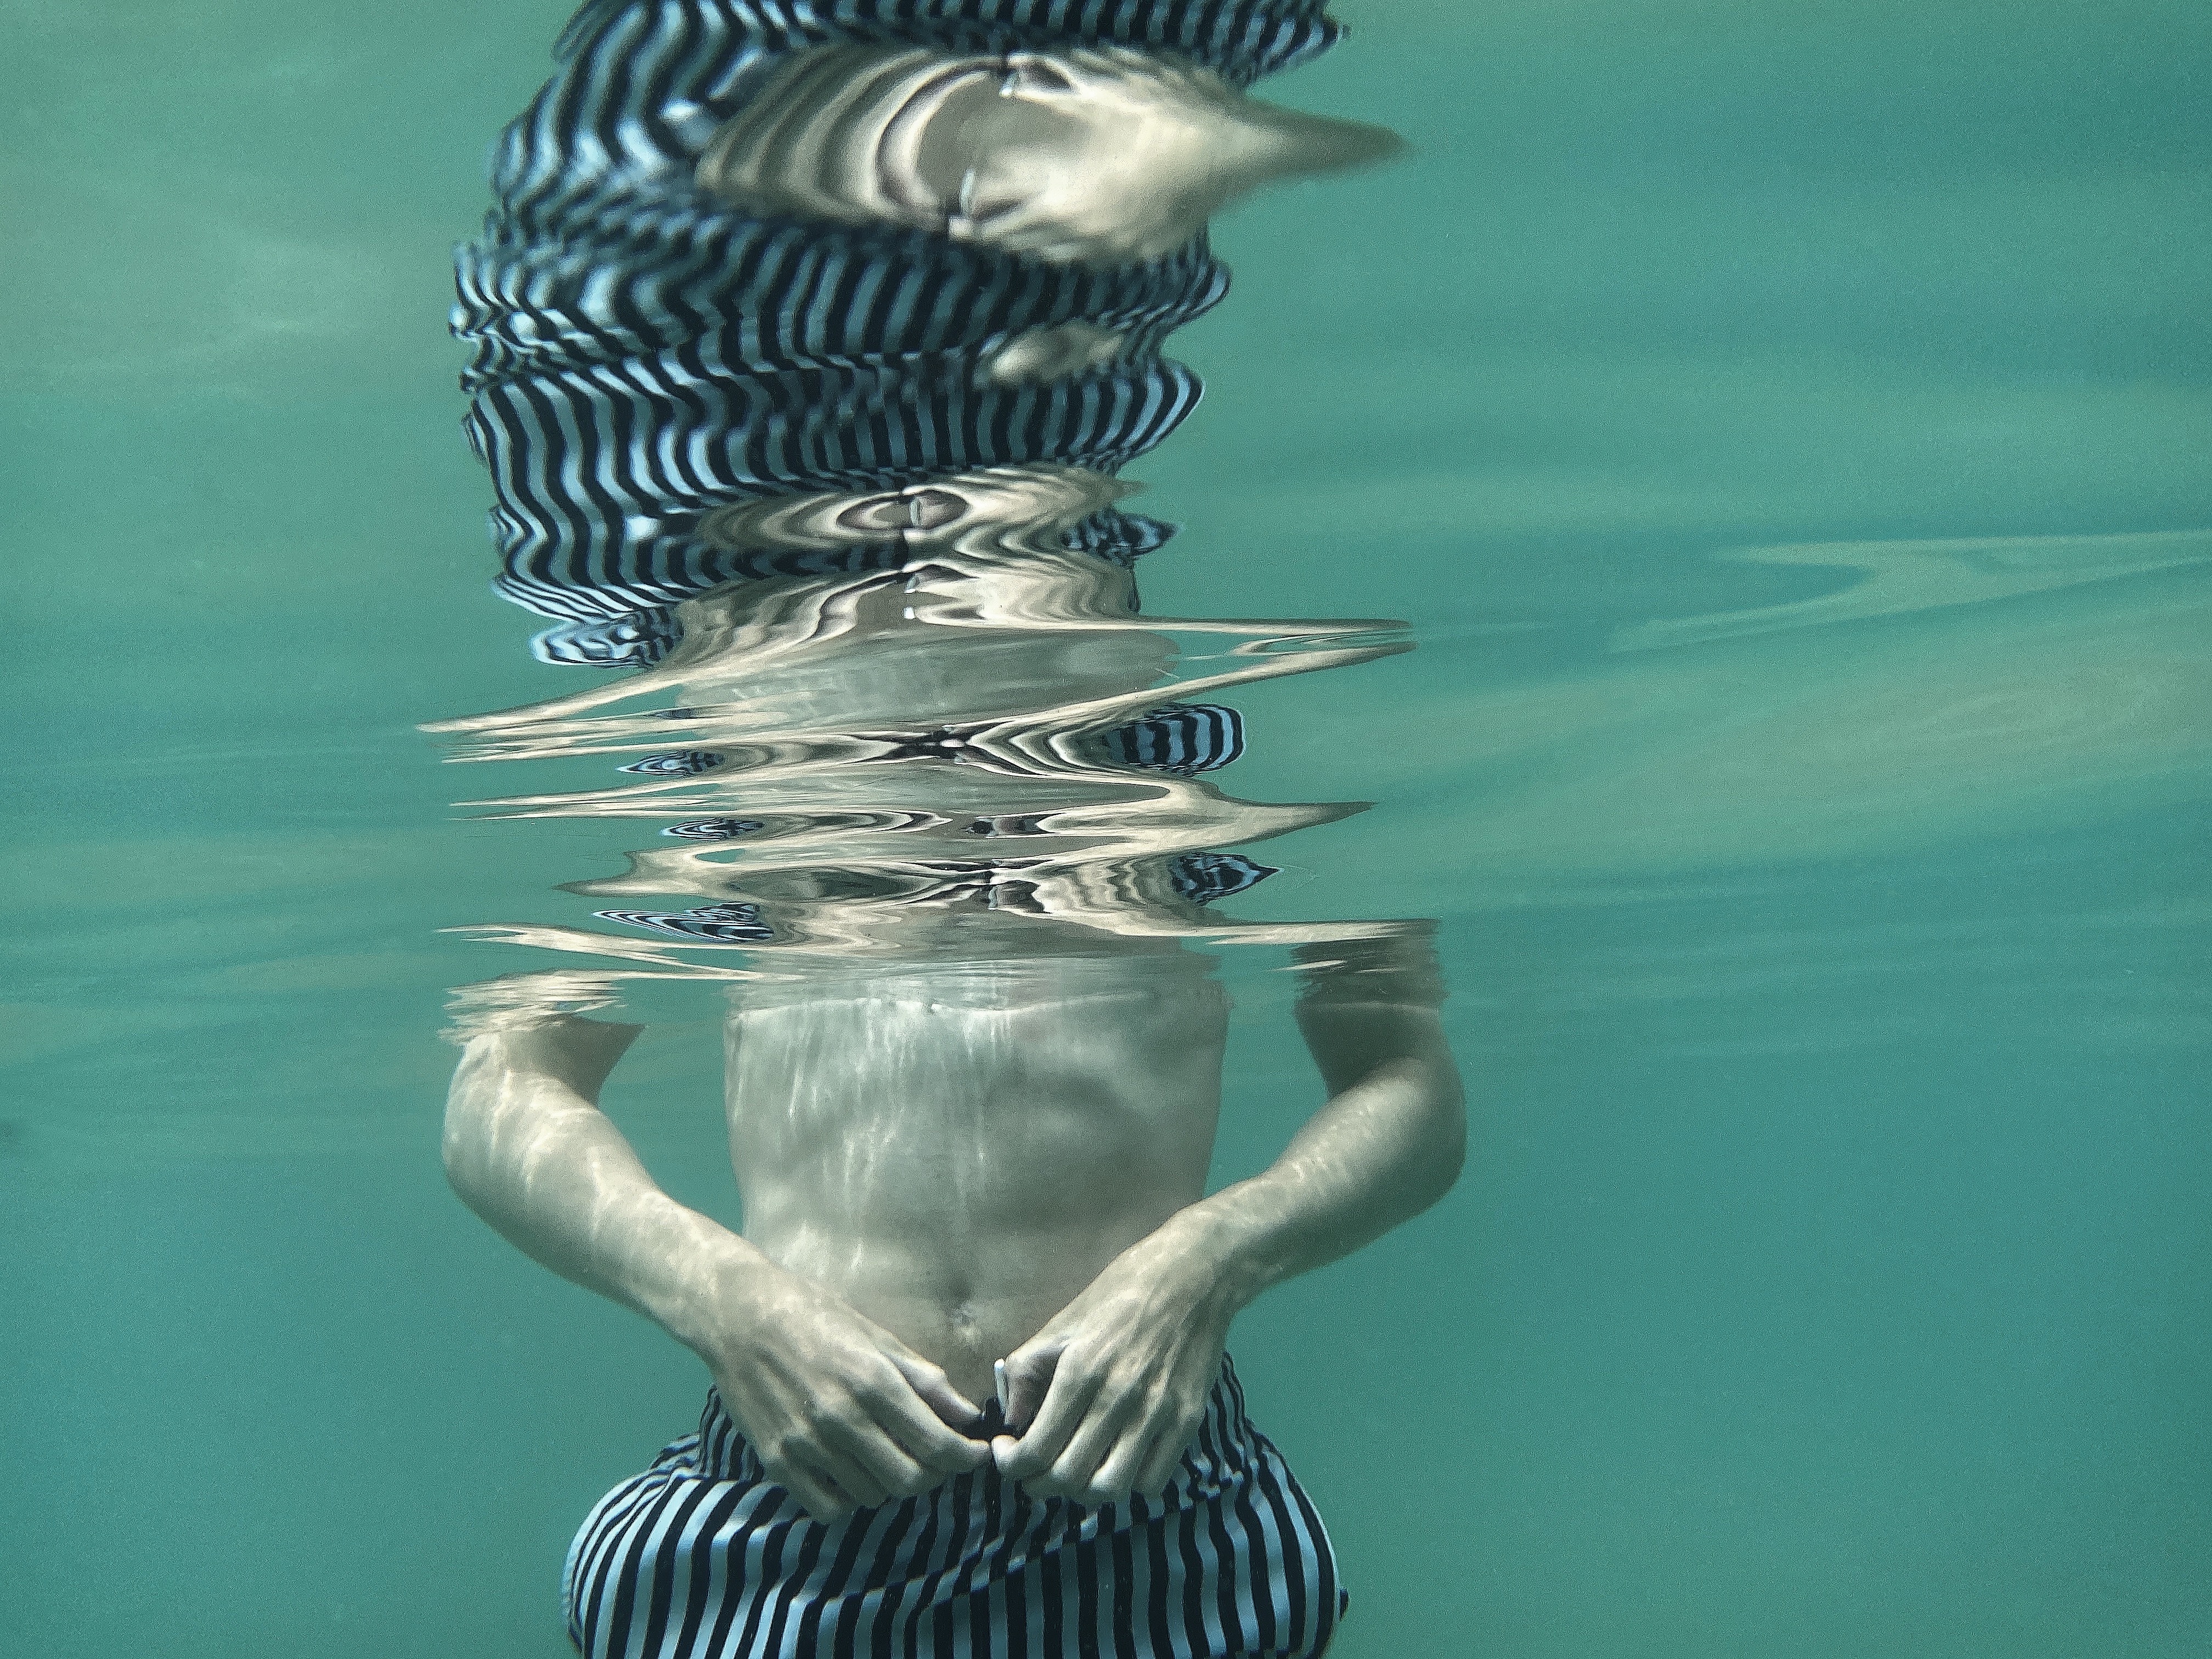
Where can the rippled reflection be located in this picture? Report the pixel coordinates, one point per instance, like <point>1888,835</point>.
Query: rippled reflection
<point>978,751</point>
<point>809,406</point>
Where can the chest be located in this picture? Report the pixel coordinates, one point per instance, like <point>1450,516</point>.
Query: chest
<point>938,1075</point>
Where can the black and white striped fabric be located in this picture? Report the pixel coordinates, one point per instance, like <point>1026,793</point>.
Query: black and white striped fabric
<point>722,924</point>
<point>684,764</point>
<point>700,1557</point>
<point>638,639</point>
<point>1202,878</point>
<point>643,355</point>
<point>1182,738</point>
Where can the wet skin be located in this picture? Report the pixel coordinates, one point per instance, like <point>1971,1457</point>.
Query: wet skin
<point>1008,1165</point>
<point>958,1150</point>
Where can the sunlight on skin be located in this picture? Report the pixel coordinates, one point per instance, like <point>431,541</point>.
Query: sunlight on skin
<point>1008,1071</point>
<point>947,1163</point>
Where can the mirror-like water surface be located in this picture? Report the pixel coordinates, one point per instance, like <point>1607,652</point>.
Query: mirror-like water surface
<point>1718,527</point>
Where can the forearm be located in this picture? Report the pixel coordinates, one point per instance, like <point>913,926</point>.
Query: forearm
<point>528,1149</point>
<point>1388,1144</point>
<point>1106,1396</point>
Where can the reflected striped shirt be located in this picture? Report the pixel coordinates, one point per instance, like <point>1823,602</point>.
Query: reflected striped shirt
<point>643,355</point>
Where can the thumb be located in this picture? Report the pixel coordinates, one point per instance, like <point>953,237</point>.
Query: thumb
<point>1029,1371</point>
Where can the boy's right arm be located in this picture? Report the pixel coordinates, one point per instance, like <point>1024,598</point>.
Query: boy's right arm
<point>839,1411</point>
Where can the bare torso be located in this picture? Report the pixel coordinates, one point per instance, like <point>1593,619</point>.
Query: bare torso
<point>957,1149</point>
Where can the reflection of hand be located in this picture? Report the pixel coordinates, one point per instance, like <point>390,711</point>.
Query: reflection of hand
<point>1111,1390</point>
<point>839,1411</point>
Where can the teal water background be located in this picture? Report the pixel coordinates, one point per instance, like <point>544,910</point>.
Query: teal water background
<point>1827,925</point>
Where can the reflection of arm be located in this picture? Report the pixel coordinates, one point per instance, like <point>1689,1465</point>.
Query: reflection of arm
<point>527,1149</point>
<point>1388,1145</point>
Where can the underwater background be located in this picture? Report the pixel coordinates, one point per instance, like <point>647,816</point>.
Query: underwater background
<point>1786,427</point>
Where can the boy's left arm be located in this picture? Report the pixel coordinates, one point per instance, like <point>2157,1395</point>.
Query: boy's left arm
<point>1112,1389</point>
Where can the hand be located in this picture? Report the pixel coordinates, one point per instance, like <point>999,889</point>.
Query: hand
<point>840,1412</point>
<point>1109,1392</point>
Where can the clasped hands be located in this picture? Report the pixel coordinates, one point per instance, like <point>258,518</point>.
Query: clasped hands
<point>1101,1403</point>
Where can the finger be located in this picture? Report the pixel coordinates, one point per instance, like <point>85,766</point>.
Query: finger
<point>1041,1444</point>
<point>815,1496</point>
<point>922,1433</point>
<point>1039,239</point>
<point>935,1390</point>
<point>1163,1463</point>
<point>1116,1477</point>
<point>852,1480</point>
<point>1030,1375</point>
<point>917,1432</point>
<point>1045,1390</point>
<point>1078,1470</point>
<point>1172,1430</point>
<point>1070,1474</point>
<point>1013,217</point>
<point>880,1457</point>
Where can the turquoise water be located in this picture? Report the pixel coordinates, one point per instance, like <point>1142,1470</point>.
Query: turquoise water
<point>1786,429</point>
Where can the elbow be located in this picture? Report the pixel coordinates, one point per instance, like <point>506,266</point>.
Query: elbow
<point>1445,1154</point>
<point>464,1141</point>
<point>461,1150</point>
<point>1426,1107</point>
<point>473,1166</point>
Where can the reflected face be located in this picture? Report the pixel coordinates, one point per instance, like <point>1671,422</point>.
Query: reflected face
<point>1099,156</point>
<point>1088,157</point>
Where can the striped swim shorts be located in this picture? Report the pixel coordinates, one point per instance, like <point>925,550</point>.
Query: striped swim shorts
<point>702,1556</point>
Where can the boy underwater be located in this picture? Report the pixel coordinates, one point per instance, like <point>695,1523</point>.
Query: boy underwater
<point>971,1388</point>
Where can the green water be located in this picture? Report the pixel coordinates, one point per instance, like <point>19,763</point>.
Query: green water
<point>1826,924</point>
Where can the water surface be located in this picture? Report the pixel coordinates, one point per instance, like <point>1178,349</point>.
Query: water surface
<point>1786,430</point>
